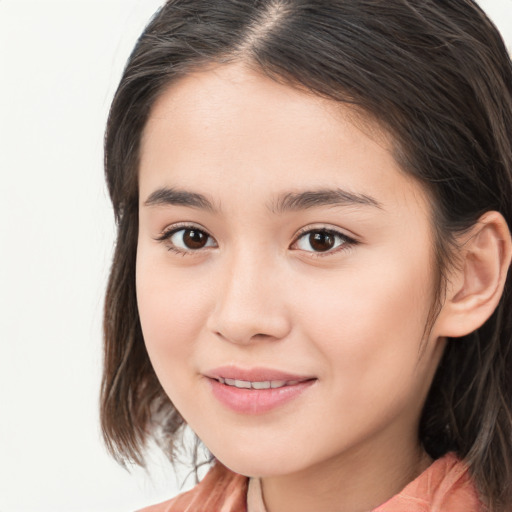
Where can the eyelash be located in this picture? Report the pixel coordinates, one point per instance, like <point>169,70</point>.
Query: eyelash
<point>166,236</point>
<point>345,242</point>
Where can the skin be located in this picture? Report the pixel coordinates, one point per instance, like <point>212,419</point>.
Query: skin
<point>258,295</point>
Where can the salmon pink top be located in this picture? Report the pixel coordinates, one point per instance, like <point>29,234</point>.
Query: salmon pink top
<point>445,486</point>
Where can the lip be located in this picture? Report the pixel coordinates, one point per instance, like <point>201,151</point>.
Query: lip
<point>256,401</point>
<point>256,374</point>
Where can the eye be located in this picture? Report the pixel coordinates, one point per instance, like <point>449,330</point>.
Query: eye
<point>322,240</point>
<point>187,239</point>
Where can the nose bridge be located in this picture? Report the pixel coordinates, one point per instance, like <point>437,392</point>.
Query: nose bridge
<point>249,305</point>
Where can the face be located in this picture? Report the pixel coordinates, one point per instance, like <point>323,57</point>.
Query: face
<point>284,274</point>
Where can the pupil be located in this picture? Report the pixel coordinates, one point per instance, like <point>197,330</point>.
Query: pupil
<point>194,239</point>
<point>321,241</point>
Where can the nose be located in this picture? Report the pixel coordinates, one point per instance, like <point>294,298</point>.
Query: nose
<point>250,303</point>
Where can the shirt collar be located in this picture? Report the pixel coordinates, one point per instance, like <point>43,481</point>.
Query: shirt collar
<point>255,496</point>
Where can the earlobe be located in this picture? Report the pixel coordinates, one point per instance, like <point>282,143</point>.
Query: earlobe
<point>476,284</point>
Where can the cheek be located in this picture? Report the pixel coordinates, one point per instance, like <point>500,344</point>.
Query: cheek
<point>369,321</point>
<point>172,307</point>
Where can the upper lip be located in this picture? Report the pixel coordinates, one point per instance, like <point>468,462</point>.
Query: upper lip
<point>256,374</point>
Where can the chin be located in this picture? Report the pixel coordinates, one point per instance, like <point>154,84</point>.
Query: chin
<point>256,461</point>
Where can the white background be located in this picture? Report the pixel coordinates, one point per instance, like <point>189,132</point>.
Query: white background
<point>60,62</point>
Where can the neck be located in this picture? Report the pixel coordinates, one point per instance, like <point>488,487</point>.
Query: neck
<point>355,482</point>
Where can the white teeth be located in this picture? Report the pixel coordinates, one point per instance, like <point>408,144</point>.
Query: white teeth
<point>244,384</point>
<point>261,385</point>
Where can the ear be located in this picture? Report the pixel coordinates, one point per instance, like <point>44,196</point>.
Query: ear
<point>476,283</point>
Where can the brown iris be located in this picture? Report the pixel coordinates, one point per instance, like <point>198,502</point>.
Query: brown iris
<point>194,239</point>
<point>321,241</point>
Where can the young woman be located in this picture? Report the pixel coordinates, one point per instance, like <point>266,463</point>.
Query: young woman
<point>314,207</point>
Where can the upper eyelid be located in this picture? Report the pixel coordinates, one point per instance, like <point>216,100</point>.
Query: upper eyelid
<point>349,242</point>
<point>173,228</point>
<point>324,227</point>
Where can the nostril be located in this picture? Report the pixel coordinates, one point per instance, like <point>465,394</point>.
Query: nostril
<point>240,322</point>
<point>243,338</point>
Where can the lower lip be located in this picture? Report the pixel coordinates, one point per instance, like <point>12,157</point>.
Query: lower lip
<point>256,401</point>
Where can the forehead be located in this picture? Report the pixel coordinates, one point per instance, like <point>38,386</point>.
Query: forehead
<point>219,93</point>
<point>229,128</point>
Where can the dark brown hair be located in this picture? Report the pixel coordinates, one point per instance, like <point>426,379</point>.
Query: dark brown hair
<point>437,76</point>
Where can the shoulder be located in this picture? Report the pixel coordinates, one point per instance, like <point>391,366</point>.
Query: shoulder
<point>220,490</point>
<point>446,486</point>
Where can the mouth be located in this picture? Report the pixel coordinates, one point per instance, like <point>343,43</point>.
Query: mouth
<point>265,384</point>
<point>258,390</point>
<point>256,377</point>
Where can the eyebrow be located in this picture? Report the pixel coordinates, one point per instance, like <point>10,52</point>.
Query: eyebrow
<point>173,196</point>
<point>290,201</point>
<point>324,197</point>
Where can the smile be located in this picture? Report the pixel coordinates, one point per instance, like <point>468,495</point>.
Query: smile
<point>257,390</point>
<point>267,384</point>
